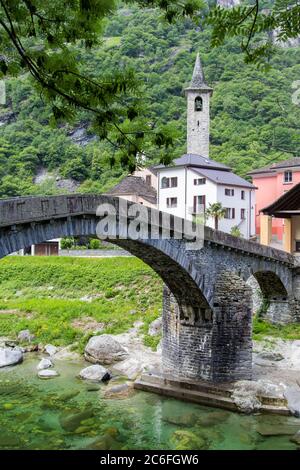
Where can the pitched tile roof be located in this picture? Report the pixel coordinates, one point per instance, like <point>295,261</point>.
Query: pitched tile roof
<point>134,185</point>
<point>291,162</point>
<point>223,177</point>
<point>190,159</point>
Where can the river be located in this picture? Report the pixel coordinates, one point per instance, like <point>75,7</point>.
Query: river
<point>67,413</point>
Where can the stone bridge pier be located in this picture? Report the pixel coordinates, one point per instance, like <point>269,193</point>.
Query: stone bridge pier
<point>210,343</point>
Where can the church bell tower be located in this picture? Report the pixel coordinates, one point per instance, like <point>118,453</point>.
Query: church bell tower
<point>198,101</point>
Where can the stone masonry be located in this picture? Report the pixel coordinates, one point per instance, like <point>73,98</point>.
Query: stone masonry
<point>207,305</point>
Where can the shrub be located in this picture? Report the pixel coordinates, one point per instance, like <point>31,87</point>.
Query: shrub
<point>94,244</point>
<point>67,243</point>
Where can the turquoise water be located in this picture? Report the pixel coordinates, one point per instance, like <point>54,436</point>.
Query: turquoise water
<point>67,413</point>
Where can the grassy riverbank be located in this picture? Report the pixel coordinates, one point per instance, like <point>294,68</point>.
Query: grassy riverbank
<point>62,299</point>
<point>261,329</point>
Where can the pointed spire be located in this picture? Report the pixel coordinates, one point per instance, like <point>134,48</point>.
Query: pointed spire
<point>198,79</point>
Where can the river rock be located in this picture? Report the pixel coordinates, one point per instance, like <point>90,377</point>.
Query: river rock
<point>296,438</point>
<point>25,336</point>
<point>292,394</point>
<point>273,429</point>
<point>270,356</point>
<point>44,364</point>
<point>50,349</point>
<point>155,327</point>
<point>212,418</point>
<point>93,388</point>
<point>187,440</point>
<point>185,419</point>
<point>9,440</point>
<point>47,374</point>
<point>106,442</point>
<point>30,348</point>
<point>95,373</point>
<point>72,421</point>
<point>10,356</point>
<point>131,368</point>
<point>119,391</point>
<point>104,349</point>
<point>247,393</point>
<point>67,354</point>
<point>66,396</point>
<point>246,401</point>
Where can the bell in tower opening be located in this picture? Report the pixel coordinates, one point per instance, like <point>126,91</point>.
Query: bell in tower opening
<point>198,103</point>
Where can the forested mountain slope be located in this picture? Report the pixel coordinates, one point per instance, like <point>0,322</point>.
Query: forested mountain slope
<point>253,118</point>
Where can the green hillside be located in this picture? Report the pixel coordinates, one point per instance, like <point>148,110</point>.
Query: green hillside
<point>253,118</point>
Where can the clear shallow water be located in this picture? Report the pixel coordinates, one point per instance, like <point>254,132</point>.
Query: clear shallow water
<point>61,413</point>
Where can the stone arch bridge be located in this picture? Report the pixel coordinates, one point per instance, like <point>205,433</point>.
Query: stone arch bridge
<point>207,304</point>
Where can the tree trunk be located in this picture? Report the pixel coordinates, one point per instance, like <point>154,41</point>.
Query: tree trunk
<point>216,223</point>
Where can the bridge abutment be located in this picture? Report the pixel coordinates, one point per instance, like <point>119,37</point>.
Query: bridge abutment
<point>279,312</point>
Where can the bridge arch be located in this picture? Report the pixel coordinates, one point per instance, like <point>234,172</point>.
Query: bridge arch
<point>163,256</point>
<point>271,285</point>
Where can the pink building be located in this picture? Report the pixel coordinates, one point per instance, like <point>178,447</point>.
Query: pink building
<point>273,181</point>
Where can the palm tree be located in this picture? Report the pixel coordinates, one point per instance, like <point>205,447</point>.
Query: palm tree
<point>216,211</point>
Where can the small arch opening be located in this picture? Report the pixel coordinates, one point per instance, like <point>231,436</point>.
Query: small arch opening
<point>198,104</point>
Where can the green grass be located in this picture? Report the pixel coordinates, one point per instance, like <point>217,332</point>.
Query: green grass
<point>47,293</point>
<point>261,329</point>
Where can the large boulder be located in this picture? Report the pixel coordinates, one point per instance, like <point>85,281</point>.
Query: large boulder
<point>25,336</point>
<point>95,373</point>
<point>155,327</point>
<point>104,349</point>
<point>10,356</point>
<point>246,400</point>
<point>292,395</point>
<point>247,394</point>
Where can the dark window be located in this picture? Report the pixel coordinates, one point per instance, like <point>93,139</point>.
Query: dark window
<point>148,180</point>
<point>288,176</point>
<point>171,202</point>
<point>297,245</point>
<point>169,182</point>
<point>229,192</point>
<point>230,213</point>
<point>243,214</point>
<point>198,202</point>
<point>198,103</point>
<point>242,194</point>
<point>165,182</point>
<point>199,181</point>
<point>174,182</point>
